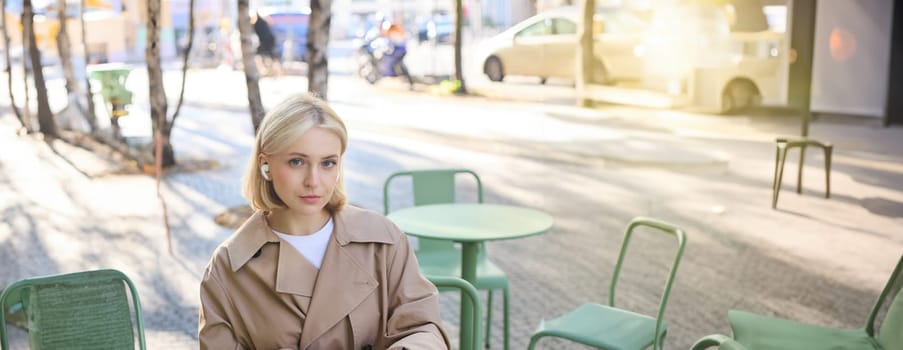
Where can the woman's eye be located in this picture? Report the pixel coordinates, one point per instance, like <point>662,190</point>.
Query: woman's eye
<point>329,163</point>
<point>295,162</point>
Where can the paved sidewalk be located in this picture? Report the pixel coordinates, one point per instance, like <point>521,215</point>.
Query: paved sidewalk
<point>813,260</point>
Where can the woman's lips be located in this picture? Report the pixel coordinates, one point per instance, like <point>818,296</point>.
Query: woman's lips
<point>310,199</point>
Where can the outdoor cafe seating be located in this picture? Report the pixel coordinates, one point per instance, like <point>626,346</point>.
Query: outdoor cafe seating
<point>441,257</point>
<point>752,331</point>
<point>97,309</point>
<point>784,144</point>
<point>608,326</point>
<point>473,297</point>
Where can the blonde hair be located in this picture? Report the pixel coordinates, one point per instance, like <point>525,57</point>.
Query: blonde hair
<point>281,127</point>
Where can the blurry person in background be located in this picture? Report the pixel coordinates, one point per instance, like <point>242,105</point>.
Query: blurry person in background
<point>398,42</point>
<point>267,61</point>
<point>227,55</point>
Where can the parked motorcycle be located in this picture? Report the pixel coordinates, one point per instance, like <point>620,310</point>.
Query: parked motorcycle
<point>383,56</point>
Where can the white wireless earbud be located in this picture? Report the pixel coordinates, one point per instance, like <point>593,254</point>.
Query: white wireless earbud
<point>265,171</point>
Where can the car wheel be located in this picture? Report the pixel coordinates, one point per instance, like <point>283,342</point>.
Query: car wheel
<point>739,96</point>
<point>493,69</point>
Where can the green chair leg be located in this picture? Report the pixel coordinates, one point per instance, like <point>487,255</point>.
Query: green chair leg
<point>505,321</point>
<point>488,318</point>
<point>774,179</point>
<point>828,151</point>
<point>799,173</point>
<point>779,175</point>
<point>505,316</point>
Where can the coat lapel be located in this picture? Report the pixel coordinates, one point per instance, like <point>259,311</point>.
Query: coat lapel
<point>295,275</point>
<point>341,286</point>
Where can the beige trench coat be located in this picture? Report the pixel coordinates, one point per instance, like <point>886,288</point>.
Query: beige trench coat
<point>259,292</point>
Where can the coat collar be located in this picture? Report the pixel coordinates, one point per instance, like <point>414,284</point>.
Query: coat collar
<point>248,240</point>
<point>345,279</point>
<point>352,224</point>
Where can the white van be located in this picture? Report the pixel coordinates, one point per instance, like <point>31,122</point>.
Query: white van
<point>691,51</point>
<point>752,75</point>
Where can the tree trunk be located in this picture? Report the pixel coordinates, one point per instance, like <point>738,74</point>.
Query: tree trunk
<point>9,70</point>
<point>46,123</point>
<point>247,58</point>
<point>317,42</point>
<point>584,54</point>
<point>459,24</point>
<point>26,52</point>
<point>185,60</point>
<point>64,48</point>
<point>166,153</point>
<point>157,96</point>
<point>90,113</point>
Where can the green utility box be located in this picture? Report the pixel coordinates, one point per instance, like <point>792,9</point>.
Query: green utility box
<point>112,78</point>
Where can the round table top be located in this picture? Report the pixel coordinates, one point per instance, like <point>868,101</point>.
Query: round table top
<point>471,222</point>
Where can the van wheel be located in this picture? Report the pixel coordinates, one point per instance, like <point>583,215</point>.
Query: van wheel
<point>739,96</point>
<point>493,69</point>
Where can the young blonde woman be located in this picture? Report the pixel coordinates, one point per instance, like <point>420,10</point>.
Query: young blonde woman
<point>307,271</point>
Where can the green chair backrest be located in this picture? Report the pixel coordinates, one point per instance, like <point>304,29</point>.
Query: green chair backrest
<point>890,335</point>
<point>81,310</point>
<point>471,294</point>
<point>433,186</point>
<point>681,241</point>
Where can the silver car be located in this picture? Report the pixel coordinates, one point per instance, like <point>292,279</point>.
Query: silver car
<point>545,46</point>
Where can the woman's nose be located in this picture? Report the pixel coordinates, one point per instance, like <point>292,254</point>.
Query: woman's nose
<point>312,178</point>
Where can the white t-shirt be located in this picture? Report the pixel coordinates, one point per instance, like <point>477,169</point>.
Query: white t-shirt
<point>312,246</point>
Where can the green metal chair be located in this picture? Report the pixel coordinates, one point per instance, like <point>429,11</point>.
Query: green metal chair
<point>81,310</point>
<point>441,257</point>
<point>753,331</point>
<point>473,297</point>
<point>608,327</point>
<point>780,156</point>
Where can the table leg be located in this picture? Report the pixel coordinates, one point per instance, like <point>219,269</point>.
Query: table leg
<point>469,252</point>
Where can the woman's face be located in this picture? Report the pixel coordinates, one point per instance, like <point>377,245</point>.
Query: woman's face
<point>305,174</point>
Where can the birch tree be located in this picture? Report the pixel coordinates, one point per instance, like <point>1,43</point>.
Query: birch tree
<point>90,112</point>
<point>459,24</point>
<point>64,50</point>
<point>46,123</point>
<point>584,54</point>
<point>161,127</point>
<point>9,70</point>
<point>317,42</point>
<point>252,77</point>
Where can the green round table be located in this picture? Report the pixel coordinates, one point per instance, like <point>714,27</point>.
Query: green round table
<point>470,224</point>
